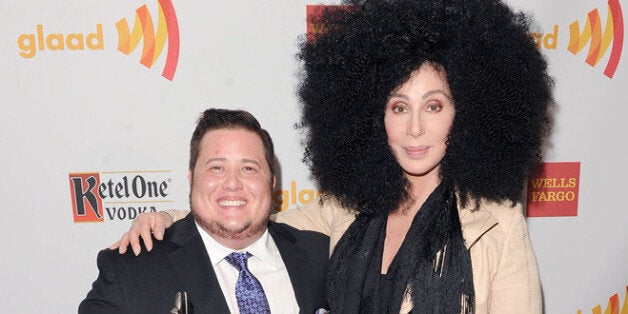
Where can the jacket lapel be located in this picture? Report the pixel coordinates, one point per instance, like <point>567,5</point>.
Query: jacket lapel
<point>297,265</point>
<point>475,223</point>
<point>191,263</point>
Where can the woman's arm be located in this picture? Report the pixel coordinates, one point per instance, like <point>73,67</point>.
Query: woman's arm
<point>516,287</point>
<point>325,216</point>
<point>145,225</point>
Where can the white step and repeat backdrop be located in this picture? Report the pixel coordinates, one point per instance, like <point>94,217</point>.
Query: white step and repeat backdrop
<point>99,99</point>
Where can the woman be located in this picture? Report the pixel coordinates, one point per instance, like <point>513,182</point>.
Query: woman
<point>423,119</point>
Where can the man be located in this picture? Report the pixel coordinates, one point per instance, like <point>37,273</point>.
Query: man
<point>205,255</point>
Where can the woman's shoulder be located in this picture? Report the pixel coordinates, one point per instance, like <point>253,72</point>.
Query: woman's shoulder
<point>323,214</point>
<point>505,274</point>
<point>497,217</point>
<point>501,212</point>
<point>504,212</point>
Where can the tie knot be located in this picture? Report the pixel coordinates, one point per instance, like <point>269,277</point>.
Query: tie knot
<point>238,260</point>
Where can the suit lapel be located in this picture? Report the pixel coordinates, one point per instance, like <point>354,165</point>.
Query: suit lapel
<point>193,267</point>
<point>297,265</point>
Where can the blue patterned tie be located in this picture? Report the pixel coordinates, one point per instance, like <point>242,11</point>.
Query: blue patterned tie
<point>249,292</point>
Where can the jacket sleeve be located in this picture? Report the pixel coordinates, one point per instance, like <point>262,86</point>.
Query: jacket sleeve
<point>516,287</point>
<point>325,216</point>
<point>106,295</point>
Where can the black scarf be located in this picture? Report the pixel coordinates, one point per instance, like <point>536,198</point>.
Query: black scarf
<point>434,266</point>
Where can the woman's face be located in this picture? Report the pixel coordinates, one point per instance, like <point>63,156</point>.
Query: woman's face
<point>418,117</point>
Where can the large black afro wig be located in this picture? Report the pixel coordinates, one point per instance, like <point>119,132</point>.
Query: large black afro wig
<point>498,79</point>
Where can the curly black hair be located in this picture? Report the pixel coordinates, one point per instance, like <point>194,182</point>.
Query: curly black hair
<point>498,79</point>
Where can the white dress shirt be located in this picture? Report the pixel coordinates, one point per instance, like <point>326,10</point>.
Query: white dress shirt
<point>265,264</point>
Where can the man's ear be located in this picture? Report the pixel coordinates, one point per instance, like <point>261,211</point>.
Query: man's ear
<point>190,177</point>
<point>274,181</point>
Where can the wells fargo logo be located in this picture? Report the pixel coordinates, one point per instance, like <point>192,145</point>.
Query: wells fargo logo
<point>120,195</point>
<point>553,190</point>
<point>284,199</point>
<point>599,37</point>
<point>613,306</point>
<point>153,38</point>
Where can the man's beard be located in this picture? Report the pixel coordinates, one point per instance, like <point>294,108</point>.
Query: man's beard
<point>215,228</point>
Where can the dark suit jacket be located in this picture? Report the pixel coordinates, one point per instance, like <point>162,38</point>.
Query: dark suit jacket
<point>148,283</point>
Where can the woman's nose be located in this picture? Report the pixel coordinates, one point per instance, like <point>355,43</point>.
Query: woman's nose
<point>415,125</point>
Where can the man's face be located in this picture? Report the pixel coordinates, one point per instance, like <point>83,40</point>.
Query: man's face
<point>231,187</point>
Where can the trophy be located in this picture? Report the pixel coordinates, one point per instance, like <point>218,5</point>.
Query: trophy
<point>181,304</point>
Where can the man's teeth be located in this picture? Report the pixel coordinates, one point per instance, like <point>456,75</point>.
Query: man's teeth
<point>232,203</point>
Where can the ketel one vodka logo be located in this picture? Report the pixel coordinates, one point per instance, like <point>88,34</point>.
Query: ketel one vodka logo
<point>100,196</point>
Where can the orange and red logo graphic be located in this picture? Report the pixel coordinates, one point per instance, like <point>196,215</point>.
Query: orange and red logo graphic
<point>86,203</point>
<point>315,28</point>
<point>613,306</point>
<point>553,190</point>
<point>600,41</point>
<point>599,37</point>
<point>120,195</point>
<point>154,38</point>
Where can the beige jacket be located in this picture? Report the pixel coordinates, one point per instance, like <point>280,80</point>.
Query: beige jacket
<point>505,273</point>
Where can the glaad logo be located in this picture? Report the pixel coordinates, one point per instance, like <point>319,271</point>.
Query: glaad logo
<point>29,44</point>
<point>598,38</point>
<point>283,199</point>
<point>97,196</point>
<point>167,28</point>
<point>599,42</point>
<point>153,39</point>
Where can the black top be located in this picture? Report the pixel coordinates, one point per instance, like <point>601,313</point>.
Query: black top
<point>381,284</point>
<point>379,287</point>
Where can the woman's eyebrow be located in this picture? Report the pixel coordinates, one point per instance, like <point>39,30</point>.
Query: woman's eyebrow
<point>436,91</point>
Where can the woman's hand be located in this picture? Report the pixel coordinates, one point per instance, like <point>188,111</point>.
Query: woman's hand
<point>143,226</point>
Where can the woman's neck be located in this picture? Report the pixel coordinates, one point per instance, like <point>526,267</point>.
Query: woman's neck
<point>400,220</point>
<point>420,189</point>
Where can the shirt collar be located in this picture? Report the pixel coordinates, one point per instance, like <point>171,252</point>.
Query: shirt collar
<point>263,248</point>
